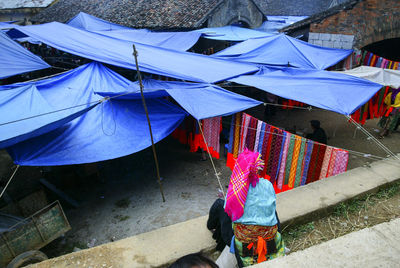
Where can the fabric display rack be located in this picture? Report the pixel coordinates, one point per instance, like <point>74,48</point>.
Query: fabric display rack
<point>290,160</point>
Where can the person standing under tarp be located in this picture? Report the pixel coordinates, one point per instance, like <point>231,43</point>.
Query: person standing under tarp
<point>318,134</point>
<point>391,120</point>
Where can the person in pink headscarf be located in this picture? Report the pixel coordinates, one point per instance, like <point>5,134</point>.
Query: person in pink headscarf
<point>251,205</point>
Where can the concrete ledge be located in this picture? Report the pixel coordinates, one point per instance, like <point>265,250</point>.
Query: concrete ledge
<point>160,247</point>
<point>377,246</point>
<point>315,200</point>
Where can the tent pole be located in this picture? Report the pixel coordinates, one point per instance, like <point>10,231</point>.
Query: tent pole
<point>135,54</point>
<point>12,176</point>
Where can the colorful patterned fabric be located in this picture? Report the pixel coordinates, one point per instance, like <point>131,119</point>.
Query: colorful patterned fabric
<point>249,257</point>
<point>212,130</point>
<point>300,163</point>
<point>319,162</point>
<point>265,141</point>
<point>278,152</point>
<point>296,152</point>
<point>283,161</point>
<point>342,158</point>
<point>331,163</point>
<point>251,133</point>
<point>249,233</point>
<point>306,163</point>
<point>271,155</point>
<point>245,128</point>
<point>289,159</point>
<point>325,163</point>
<point>236,143</point>
<point>244,173</point>
<point>231,134</point>
<point>258,132</point>
<point>261,141</point>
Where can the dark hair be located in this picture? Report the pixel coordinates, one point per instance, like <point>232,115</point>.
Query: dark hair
<point>193,260</point>
<point>315,123</point>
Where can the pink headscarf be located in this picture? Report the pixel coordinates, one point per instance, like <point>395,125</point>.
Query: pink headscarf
<point>244,173</point>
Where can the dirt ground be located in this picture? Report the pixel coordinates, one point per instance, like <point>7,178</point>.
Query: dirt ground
<point>126,199</point>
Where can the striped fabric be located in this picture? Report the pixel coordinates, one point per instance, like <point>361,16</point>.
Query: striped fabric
<point>325,163</point>
<point>293,168</point>
<point>300,163</point>
<point>283,160</point>
<point>261,140</point>
<point>342,158</point>
<point>236,143</point>
<point>290,160</point>
<point>258,132</point>
<point>306,162</point>
<point>232,134</point>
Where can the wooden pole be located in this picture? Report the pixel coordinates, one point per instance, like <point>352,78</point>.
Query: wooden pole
<point>148,121</point>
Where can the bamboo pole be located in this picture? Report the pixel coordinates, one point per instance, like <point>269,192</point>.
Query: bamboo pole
<point>135,54</point>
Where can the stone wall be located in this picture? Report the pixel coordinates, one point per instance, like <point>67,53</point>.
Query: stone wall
<point>369,21</point>
<point>236,10</point>
<point>331,40</point>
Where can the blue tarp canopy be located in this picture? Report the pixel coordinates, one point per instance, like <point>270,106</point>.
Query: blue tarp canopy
<point>231,33</point>
<point>40,114</point>
<point>112,129</point>
<point>199,100</point>
<point>15,59</point>
<point>6,25</point>
<point>180,41</point>
<point>331,91</point>
<point>274,23</point>
<point>284,50</point>
<point>91,23</point>
<point>176,64</point>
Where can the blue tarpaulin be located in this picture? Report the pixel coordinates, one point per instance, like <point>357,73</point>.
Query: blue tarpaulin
<point>176,64</point>
<point>331,91</point>
<point>15,59</point>
<point>40,116</point>
<point>199,100</point>
<point>91,23</point>
<point>181,41</point>
<point>284,50</point>
<point>231,33</point>
<point>274,23</point>
<point>112,129</point>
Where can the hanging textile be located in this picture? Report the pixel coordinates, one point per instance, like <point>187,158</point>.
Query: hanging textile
<point>189,133</point>
<point>212,128</point>
<point>290,160</point>
<point>374,108</point>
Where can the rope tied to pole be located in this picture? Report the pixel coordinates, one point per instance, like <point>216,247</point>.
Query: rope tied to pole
<point>9,180</point>
<point>212,162</point>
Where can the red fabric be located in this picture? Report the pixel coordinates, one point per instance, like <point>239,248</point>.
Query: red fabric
<point>267,152</point>
<point>230,161</point>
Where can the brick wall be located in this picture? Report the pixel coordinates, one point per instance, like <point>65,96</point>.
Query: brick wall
<point>369,21</point>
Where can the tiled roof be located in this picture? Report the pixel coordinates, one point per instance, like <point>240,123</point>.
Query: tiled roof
<point>295,7</point>
<point>134,13</point>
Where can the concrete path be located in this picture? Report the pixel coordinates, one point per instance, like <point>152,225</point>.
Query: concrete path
<point>160,247</point>
<point>378,246</point>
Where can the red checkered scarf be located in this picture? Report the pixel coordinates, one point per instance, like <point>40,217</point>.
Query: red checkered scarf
<point>244,173</point>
